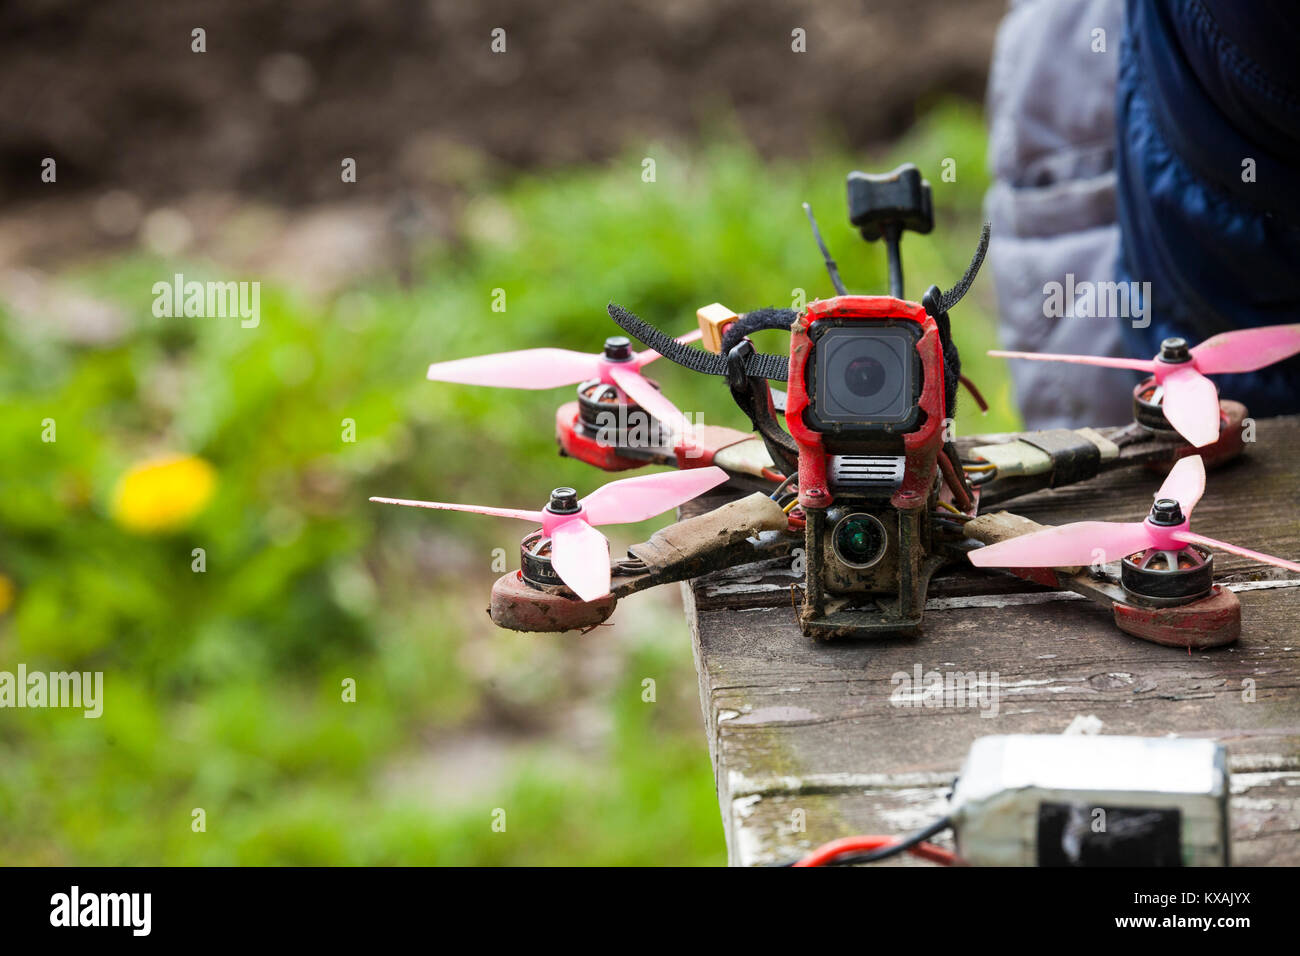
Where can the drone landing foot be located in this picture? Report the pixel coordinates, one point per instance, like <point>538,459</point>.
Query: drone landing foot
<point>1212,621</point>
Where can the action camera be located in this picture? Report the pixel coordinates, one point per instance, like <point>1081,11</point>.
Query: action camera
<point>865,409</point>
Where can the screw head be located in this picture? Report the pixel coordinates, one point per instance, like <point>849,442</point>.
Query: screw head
<point>564,501</point>
<point>1175,350</point>
<point>1166,512</point>
<point>618,348</point>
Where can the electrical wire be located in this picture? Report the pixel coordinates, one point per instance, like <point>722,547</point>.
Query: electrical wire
<point>957,485</point>
<point>907,843</point>
<point>826,253</point>
<point>978,472</point>
<point>870,849</point>
<point>975,393</point>
<point>782,486</point>
<point>944,520</point>
<point>791,506</point>
<point>832,854</point>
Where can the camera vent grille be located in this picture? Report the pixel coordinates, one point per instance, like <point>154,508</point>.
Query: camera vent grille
<point>867,471</point>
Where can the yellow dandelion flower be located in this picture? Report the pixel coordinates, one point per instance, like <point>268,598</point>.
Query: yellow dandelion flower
<point>7,593</point>
<point>163,494</point>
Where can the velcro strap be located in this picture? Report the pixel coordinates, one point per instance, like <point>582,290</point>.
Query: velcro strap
<point>1074,456</point>
<point>954,295</point>
<point>759,365</point>
<point>1067,455</point>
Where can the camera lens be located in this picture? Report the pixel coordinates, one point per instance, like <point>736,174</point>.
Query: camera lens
<point>859,540</point>
<point>864,377</point>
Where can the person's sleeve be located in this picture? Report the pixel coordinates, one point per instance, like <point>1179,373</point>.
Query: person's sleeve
<point>1051,108</point>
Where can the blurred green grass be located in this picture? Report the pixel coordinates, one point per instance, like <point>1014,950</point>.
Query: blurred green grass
<point>222,689</point>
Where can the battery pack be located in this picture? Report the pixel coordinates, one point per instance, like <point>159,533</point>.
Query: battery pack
<point>1079,800</point>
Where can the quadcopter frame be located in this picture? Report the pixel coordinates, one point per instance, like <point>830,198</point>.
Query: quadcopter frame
<point>931,474</point>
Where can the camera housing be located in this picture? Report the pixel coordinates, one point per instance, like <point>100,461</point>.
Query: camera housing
<point>900,415</point>
<point>866,410</point>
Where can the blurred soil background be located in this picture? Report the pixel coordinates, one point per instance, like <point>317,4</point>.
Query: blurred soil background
<point>476,171</point>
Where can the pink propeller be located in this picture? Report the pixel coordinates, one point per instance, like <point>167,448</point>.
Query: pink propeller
<point>618,365</point>
<point>1190,400</point>
<point>1099,542</point>
<point>580,553</point>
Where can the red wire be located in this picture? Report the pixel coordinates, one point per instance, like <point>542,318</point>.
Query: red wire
<point>861,844</point>
<point>975,393</point>
<point>955,484</point>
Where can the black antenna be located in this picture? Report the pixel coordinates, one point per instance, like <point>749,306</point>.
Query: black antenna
<point>892,234</point>
<point>826,253</point>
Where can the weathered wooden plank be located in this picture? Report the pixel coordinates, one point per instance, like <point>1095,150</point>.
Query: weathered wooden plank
<point>796,725</point>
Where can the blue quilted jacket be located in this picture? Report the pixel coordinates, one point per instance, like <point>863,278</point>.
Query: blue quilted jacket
<point>1207,101</point>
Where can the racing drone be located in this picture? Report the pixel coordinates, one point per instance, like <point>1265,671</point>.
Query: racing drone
<point>857,465</point>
